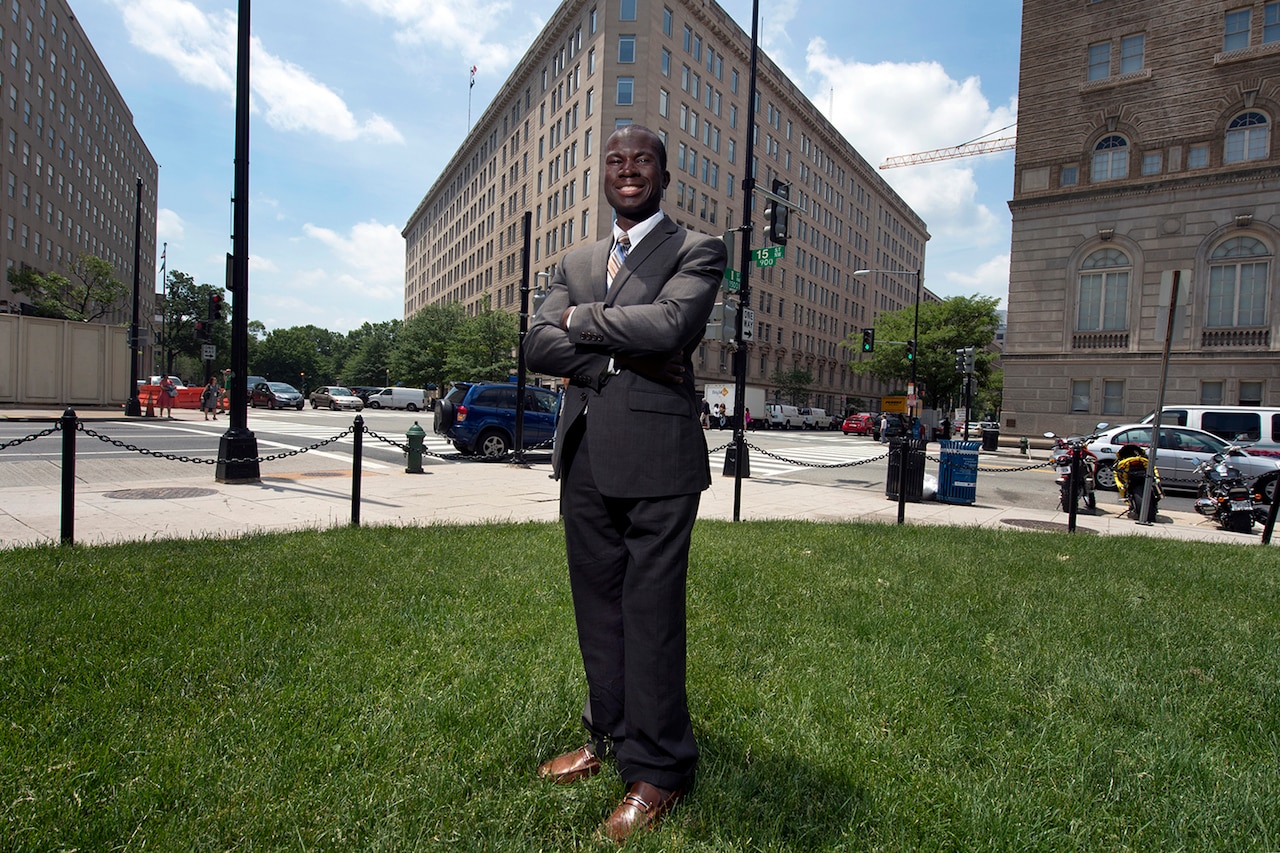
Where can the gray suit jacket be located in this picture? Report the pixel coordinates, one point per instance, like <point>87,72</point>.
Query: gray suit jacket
<point>645,437</point>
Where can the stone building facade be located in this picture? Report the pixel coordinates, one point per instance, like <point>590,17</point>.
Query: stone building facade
<point>1146,152</point>
<point>682,68</point>
<point>72,157</point>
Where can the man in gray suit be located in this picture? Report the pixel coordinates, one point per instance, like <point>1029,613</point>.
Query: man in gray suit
<point>621,322</point>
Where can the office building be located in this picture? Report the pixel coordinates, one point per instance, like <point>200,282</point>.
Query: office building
<point>1146,152</point>
<point>72,157</point>
<point>682,68</point>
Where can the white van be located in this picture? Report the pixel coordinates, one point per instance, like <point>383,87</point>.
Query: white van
<point>815,418</point>
<point>1255,429</point>
<point>781,416</point>
<point>412,399</point>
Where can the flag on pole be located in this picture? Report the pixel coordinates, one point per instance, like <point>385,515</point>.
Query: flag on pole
<point>473,76</point>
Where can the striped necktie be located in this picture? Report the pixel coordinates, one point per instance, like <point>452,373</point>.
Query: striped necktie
<point>617,257</point>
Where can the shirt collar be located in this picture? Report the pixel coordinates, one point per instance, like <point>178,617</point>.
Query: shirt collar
<point>638,231</point>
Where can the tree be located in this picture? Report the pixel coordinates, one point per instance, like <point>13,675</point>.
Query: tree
<point>483,345</point>
<point>298,355</point>
<point>369,348</point>
<point>88,292</point>
<point>420,354</point>
<point>953,323</point>
<point>793,384</point>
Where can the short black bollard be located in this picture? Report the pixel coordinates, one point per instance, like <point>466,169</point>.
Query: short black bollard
<point>357,451</point>
<point>69,421</point>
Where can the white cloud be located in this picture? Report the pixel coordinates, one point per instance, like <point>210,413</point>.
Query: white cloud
<point>202,50</point>
<point>887,109</point>
<point>169,226</point>
<point>989,279</point>
<point>462,28</point>
<point>373,254</point>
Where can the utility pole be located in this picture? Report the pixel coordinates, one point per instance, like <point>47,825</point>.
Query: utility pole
<point>739,352</point>
<point>238,449</point>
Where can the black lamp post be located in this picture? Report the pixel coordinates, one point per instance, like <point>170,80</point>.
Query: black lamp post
<point>911,389</point>
<point>133,407</point>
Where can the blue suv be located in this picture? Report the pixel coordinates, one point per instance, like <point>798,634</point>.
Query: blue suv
<point>480,418</point>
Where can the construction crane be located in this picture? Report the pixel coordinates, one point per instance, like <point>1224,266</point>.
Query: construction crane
<point>968,149</point>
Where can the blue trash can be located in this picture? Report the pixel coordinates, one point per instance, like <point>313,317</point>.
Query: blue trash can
<point>958,472</point>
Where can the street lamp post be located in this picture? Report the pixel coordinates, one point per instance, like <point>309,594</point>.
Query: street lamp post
<point>911,388</point>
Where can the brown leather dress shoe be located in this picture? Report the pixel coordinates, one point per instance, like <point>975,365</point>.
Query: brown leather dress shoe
<point>570,767</point>
<point>642,807</point>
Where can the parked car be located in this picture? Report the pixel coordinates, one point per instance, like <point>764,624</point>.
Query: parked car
<point>858,424</point>
<point>480,418</point>
<point>335,397</point>
<point>895,427</point>
<point>815,418</point>
<point>835,422</point>
<point>275,395</point>
<point>363,391</point>
<point>1181,450</point>
<point>783,416</point>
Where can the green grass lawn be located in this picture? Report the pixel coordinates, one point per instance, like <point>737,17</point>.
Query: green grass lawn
<point>854,687</point>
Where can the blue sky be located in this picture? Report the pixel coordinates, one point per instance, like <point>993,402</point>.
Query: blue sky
<point>358,105</point>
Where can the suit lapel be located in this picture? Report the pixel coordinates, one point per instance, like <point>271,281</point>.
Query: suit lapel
<point>637,256</point>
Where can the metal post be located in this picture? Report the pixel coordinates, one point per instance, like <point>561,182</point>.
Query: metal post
<point>357,454</point>
<point>1143,514</point>
<point>902,462</point>
<point>68,476</point>
<point>239,443</point>
<point>521,367</point>
<point>1073,482</point>
<point>133,408</point>
<point>744,289</point>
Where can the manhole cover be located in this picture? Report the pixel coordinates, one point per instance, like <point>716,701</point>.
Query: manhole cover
<point>1052,526</point>
<point>165,494</point>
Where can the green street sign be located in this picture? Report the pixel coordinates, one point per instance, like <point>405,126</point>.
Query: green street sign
<point>732,281</point>
<point>768,256</point>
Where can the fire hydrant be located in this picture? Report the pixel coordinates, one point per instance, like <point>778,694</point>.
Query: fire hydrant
<point>1025,446</point>
<point>415,435</point>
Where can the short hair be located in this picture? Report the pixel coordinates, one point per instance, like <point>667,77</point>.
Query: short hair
<point>658,144</point>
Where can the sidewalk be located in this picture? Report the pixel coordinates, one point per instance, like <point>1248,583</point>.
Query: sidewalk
<point>146,498</point>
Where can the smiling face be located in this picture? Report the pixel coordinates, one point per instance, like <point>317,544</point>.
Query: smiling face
<point>634,174</point>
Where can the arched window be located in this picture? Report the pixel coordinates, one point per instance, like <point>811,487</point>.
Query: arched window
<point>1104,291</point>
<point>1248,138</point>
<point>1239,269</point>
<point>1111,158</point>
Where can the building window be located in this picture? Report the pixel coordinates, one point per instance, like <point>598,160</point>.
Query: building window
<point>626,48</point>
<point>666,62</point>
<point>1198,157</point>
<point>667,18</point>
<point>627,10</point>
<point>664,103</point>
<point>592,17</point>
<point>1113,397</point>
<point>626,91</point>
<point>1079,395</point>
<point>1271,23</point>
<point>1152,163</point>
<point>1251,394</point>
<point>1238,272</point>
<point>1070,176</point>
<point>1132,49</point>
<point>1110,159</point>
<point>1104,291</point>
<point>591,101</point>
<point>1248,138</point>
<point>1100,60</point>
<point>1211,393</point>
<point>1236,33</point>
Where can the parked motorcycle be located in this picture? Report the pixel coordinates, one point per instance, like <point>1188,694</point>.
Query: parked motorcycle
<point>1077,465</point>
<point>1131,469</point>
<point>1225,495</point>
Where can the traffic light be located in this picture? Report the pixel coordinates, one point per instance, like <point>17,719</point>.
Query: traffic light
<point>960,361</point>
<point>215,307</point>
<point>202,330</point>
<point>777,214</point>
<point>969,359</point>
<point>868,340</point>
<point>911,350</point>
